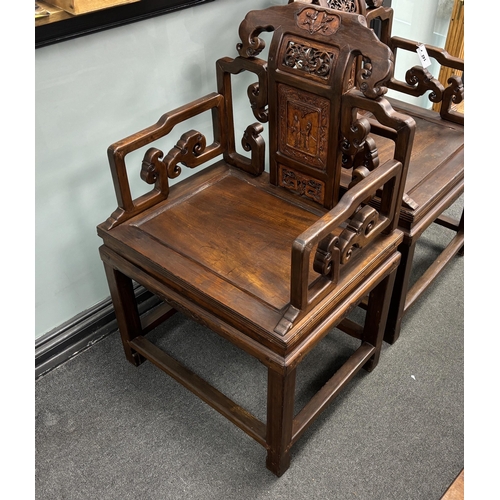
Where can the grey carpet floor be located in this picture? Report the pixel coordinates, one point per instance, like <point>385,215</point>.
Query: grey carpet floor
<point>107,430</point>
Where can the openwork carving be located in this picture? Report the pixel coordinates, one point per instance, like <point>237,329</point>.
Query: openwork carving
<point>315,21</point>
<point>188,151</point>
<point>423,81</point>
<point>155,167</point>
<point>253,141</point>
<point>301,184</point>
<point>303,126</point>
<point>308,59</point>
<point>342,5</point>
<point>453,95</point>
<point>372,81</point>
<point>258,102</point>
<point>358,149</point>
<point>333,251</point>
<point>358,232</point>
<point>327,258</point>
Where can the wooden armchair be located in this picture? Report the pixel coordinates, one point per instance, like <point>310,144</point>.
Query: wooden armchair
<point>435,177</point>
<point>271,261</point>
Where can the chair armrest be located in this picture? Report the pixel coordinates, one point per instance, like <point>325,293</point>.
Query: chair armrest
<point>441,55</point>
<point>357,223</point>
<point>191,150</point>
<point>419,80</point>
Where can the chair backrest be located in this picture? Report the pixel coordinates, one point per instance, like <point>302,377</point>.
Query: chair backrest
<point>357,6</point>
<point>418,81</point>
<point>310,91</point>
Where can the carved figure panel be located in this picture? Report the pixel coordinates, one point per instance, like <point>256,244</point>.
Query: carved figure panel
<point>303,126</point>
<point>301,184</point>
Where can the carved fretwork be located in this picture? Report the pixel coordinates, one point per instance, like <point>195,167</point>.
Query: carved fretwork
<point>422,81</point>
<point>153,168</point>
<point>327,258</point>
<point>371,80</point>
<point>301,184</point>
<point>342,5</point>
<point>188,151</point>
<point>253,141</point>
<point>453,95</point>
<point>333,251</point>
<point>315,21</point>
<point>358,232</point>
<point>303,126</point>
<point>258,103</point>
<point>358,149</point>
<point>308,59</point>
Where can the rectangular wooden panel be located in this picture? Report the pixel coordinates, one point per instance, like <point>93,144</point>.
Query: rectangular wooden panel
<point>237,231</point>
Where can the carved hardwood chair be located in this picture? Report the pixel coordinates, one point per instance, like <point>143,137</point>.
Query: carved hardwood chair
<point>269,260</point>
<point>435,178</point>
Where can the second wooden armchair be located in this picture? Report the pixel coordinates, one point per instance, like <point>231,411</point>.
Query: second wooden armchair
<point>269,260</point>
<point>435,177</point>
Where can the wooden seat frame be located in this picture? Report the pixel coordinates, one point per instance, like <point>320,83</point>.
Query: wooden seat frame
<point>269,261</point>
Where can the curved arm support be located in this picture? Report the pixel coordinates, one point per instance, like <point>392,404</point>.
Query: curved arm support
<point>420,80</point>
<point>349,210</point>
<point>191,150</point>
<point>386,122</point>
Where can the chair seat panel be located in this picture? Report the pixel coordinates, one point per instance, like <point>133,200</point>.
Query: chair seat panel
<point>436,143</point>
<point>211,241</point>
<point>236,231</point>
<point>436,165</point>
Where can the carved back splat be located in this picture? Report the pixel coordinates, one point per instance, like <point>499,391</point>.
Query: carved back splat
<point>311,48</point>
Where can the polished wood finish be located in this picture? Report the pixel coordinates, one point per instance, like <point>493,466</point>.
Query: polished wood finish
<point>270,259</point>
<point>456,490</point>
<point>436,169</point>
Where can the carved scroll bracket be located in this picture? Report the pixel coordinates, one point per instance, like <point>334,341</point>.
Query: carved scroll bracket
<point>453,94</point>
<point>327,258</point>
<point>191,151</point>
<point>358,232</point>
<point>253,141</point>
<point>422,81</point>
<point>358,149</point>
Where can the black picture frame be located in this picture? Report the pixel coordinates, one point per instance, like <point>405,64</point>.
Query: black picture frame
<point>100,20</point>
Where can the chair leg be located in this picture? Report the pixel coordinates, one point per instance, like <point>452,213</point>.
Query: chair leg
<point>127,314</point>
<point>398,299</point>
<point>280,408</point>
<point>376,317</point>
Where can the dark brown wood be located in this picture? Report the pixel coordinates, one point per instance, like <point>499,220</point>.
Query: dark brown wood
<point>155,317</point>
<point>127,314</point>
<point>270,261</point>
<point>280,406</point>
<point>435,178</point>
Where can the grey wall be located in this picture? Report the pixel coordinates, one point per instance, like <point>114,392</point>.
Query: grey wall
<point>91,92</point>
